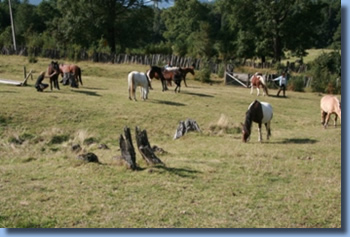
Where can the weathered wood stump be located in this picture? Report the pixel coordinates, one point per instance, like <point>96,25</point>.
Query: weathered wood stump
<point>127,149</point>
<point>145,148</point>
<point>186,126</point>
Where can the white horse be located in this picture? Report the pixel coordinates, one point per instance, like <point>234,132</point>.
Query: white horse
<point>140,79</point>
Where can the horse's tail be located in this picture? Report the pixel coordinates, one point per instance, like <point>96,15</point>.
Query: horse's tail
<point>131,84</point>
<point>79,75</point>
<point>338,109</point>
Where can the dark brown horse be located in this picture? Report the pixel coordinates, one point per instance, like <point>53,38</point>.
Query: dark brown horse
<point>53,67</point>
<point>182,70</point>
<point>177,78</point>
<point>186,70</point>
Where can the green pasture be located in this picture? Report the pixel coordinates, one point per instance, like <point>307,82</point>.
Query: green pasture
<point>210,179</point>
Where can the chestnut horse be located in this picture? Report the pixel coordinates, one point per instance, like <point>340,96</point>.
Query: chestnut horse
<point>258,112</point>
<point>186,70</point>
<point>256,81</point>
<point>53,67</point>
<point>183,70</point>
<point>329,105</point>
<point>76,71</point>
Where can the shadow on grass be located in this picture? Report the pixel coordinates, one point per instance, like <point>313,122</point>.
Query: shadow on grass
<point>91,93</point>
<point>168,102</point>
<point>281,96</point>
<point>297,141</point>
<point>197,94</point>
<point>182,172</point>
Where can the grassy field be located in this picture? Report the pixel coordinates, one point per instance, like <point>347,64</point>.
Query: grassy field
<point>211,179</point>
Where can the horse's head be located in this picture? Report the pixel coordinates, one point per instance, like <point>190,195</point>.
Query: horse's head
<point>190,70</point>
<point>245,132</point>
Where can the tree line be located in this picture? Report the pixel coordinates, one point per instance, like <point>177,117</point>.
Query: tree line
<point>222,30</point>
<point>227,29</point>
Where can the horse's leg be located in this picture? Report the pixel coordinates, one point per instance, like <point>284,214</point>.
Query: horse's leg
<point>185,81</point>
<point>251,89</point>
<point>323,116</point>
<point>327,120</point>
<point>51,84</point>
<point>268,130</point>
<point>263,87</point>
<point>335,120</point>
<point>57,84</point>
<point>259,130</point>
<point>130,93</point>
<point>79,75</point>
<point>257,91</point>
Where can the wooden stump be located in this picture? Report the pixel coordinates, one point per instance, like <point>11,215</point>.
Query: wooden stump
<point>127,149</point>
<point>145,148</point>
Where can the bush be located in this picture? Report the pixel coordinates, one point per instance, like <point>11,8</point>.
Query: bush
<point>204,73</point>
<point>326,73</point>
<point>296,84</point>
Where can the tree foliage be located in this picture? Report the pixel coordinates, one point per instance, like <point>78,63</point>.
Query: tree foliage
<point>225,29</point>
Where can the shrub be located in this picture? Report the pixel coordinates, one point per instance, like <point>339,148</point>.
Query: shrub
<point>296,84</point>
<point>204,73</point>
<point>326,73</point>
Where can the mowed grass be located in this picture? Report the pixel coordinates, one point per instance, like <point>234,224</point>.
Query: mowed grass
<point>210,179</point>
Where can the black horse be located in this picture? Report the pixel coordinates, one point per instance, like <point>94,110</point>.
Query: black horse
<point>157,72</point>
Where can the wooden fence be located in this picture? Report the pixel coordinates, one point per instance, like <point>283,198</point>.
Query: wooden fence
<point>153,59</point>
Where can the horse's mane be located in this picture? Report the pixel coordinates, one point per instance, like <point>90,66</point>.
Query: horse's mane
<point>248,121</point>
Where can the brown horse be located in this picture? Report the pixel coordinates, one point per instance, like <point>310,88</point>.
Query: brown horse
<point>256,81</point>
<point>186,70</point>
<point>53,67</point>
<point>182,70</point>
<point>329,105</point>
<point>76,71</point>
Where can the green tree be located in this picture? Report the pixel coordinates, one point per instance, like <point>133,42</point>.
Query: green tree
<point>185,21</point>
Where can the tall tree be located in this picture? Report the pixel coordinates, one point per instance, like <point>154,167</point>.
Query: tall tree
<point>183,20</point>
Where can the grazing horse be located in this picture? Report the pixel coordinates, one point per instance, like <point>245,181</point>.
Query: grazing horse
<point>53,67</point>
<point>136,79</point>
<point>329,105</point>
<point>157,72</point>
<point>258,112</point>
<point>255,81</point>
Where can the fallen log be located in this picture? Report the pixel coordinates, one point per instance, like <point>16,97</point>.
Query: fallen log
<point>145,148</point>
<point>127,149</point>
